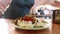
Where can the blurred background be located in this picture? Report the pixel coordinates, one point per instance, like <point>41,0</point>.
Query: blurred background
<point>4,4</point>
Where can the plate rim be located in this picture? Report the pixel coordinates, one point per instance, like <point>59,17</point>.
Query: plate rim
<point>12,24</point>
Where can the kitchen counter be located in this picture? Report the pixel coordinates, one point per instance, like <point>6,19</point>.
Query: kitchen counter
<point>6,28</point>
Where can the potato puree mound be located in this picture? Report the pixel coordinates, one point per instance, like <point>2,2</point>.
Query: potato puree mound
<point>30,22</point>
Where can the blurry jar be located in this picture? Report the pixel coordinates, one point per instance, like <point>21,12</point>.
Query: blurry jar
<point>57,16</point>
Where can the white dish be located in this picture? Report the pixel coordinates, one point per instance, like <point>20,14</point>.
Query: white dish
<point>45,27</point>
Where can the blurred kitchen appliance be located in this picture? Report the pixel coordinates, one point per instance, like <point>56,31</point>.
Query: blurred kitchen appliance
<point>56,16</point>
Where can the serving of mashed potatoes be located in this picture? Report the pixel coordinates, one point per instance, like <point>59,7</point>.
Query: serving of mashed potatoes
<point>30,22</point>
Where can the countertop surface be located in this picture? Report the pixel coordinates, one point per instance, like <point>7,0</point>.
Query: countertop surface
<point>6,28</point>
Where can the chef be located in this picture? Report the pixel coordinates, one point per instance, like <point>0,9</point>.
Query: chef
<point>18,8</point>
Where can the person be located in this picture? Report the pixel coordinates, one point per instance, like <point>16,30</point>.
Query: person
<point>18,8</point>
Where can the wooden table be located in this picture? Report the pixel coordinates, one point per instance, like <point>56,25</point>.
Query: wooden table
<point>6,28</point>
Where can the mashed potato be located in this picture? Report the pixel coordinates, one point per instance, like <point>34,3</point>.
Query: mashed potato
<point>30,22</point>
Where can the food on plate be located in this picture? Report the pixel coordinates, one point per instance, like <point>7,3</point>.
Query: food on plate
<point>30,22</point>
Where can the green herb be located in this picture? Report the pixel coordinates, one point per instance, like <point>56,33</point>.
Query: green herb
<point>38,27</point>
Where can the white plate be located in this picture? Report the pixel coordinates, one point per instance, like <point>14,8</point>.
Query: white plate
<point>45,27</point>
